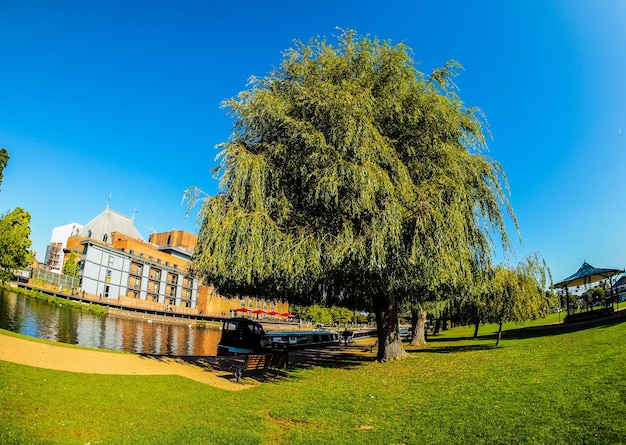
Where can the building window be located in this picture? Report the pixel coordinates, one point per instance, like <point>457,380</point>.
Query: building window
<point>105,237</point>
<point>155,274</point>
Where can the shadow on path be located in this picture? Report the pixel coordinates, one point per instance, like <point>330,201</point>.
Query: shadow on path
<point>344,357</point>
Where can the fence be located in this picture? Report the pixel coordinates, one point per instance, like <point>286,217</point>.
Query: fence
<point>55,279</point>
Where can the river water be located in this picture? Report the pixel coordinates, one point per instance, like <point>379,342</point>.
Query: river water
<point>50,321</point>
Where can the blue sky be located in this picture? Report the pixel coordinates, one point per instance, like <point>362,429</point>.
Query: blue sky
<point>119,102</point>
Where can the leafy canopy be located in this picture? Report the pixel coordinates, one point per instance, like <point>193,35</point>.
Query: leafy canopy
<point>14,242</point>
<point>348,167</point>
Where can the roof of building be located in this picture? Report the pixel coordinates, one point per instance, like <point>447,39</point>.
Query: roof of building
<point>109,221</point>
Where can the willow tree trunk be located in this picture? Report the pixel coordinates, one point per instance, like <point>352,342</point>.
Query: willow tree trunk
<point>499,333</point>
<point>476,321</point>
<point>389,342</point>
<point>418,318</point>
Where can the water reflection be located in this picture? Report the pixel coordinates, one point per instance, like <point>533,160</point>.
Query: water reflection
<point>37,318</point>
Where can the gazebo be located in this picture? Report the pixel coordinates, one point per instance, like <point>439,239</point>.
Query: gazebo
<point>586,275</point>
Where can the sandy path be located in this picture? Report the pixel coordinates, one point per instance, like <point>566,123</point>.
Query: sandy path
<point>64,358</point>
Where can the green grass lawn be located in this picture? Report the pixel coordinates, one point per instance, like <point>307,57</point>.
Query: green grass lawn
<point>543,385</point>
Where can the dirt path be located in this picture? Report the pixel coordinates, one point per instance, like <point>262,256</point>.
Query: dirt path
<point>67,358</point>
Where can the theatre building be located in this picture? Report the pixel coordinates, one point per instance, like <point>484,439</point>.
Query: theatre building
<point>117,265</point>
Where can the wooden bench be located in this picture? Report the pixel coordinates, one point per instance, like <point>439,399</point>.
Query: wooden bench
<point>258,362</point>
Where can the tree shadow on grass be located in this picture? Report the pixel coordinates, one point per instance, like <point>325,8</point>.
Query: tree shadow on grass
<point>341,357</point>
<point>524,333</point>
<point>562,328</point>
<point>452,349</point>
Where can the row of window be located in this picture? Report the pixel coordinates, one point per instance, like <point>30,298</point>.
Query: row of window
<point>269,306</point>
<point>155,299</point>
<point>155,274</point>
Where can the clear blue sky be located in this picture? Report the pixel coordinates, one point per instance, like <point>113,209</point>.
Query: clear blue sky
<point>122,99</point>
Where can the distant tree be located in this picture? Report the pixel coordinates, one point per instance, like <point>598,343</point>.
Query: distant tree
<point>341,314</point>
<point>518,294</point>
<point>351,170</point>
<point>14,242</point>
<point>594,296</point>
<point>315,313</point>
<point>4,160</point>
<point>71,267</point>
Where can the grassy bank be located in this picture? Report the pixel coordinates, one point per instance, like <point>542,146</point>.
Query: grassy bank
<point>562,384</point>
<point>92,308</point>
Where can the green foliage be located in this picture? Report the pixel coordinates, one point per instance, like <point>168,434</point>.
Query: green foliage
<point>595,295</point>
<point>342,315</point>
<point>350,168</point>
<point>4,160</point>
<point>518,294</point>
<point>324,315</point>
<point>71,267</point>
<point>14,242</point>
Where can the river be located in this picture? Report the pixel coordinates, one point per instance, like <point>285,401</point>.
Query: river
<point>41,319</point>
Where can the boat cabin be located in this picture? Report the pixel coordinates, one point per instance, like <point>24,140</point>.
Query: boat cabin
<point>242,336</point>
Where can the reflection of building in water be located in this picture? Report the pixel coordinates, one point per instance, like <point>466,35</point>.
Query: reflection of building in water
<point>117,264</point>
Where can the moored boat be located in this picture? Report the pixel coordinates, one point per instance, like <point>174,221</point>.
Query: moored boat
<point>242,336</point>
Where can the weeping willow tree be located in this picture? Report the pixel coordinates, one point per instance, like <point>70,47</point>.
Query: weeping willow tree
<point>518,293</point>
<point>350,176</point>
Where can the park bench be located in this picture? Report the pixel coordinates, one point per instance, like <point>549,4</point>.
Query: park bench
<point>258,362</point>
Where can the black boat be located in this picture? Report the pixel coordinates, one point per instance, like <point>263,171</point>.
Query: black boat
<point>242,336</point>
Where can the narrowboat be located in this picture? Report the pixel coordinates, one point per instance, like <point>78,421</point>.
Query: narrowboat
<point>242,336</point>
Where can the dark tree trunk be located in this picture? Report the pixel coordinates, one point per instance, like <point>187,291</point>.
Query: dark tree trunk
<point>437,326</point>
<point>476,322</point>
<point>413,323</point>
<point>499,333</point>
<point>389,342</point>
<point>419,333</point>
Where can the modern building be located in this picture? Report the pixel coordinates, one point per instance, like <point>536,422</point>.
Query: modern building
<point>58,241</point>
<point>117,264</point>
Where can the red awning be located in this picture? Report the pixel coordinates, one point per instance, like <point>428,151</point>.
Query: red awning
<point>259,311</point>
<point>241,309</point>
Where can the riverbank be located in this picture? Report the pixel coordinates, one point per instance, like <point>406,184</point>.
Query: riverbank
<point>108,306</point>
<point>70,358</point>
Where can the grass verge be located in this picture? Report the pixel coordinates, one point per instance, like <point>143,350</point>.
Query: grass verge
<point>544,384</point>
